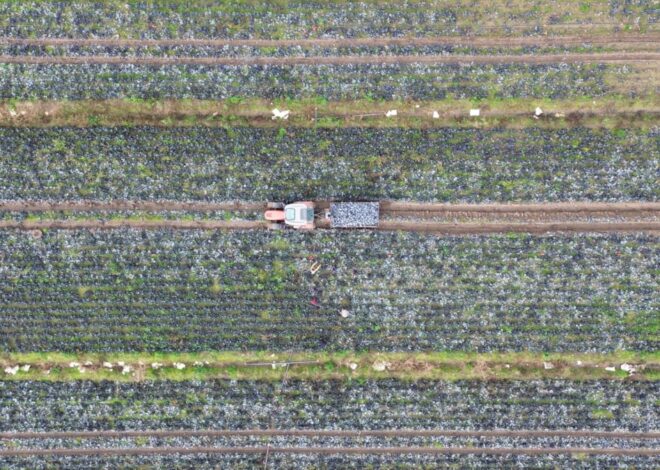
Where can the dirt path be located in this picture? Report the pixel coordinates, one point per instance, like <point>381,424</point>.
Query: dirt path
<point>329,433</point>
<point>646,452</point>
<point>612,208</point>
<point>406,216</point>
<point>618,57</point>
<point>534,228</point>
<point>609,40</point>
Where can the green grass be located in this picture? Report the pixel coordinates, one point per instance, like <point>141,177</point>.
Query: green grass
<point>266,365</point>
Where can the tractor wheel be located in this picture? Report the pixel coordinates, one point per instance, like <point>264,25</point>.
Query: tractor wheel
<point>275,205</point>
<point>275,226</point>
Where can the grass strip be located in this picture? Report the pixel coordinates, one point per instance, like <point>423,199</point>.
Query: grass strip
<point>609,112</point>
<point>347,365</point>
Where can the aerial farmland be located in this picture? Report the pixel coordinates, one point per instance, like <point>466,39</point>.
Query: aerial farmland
<point>289,234</point>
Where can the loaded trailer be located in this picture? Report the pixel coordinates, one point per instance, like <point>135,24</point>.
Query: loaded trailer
<point>307,215</point>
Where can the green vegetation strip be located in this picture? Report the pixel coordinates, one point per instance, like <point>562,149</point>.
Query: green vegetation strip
<point>323,366</point>
<point>610,112</point>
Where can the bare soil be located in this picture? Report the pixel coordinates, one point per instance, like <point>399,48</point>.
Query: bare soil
<point>610,40</point>
<point>407,216</point>
<point>265,450</point>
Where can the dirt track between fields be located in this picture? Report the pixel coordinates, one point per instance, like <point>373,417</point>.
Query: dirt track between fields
<point>618,57</point>
<point>265,450</point>
<point>610,40</point>
<point>405,216</point>
<point>329,433</point>
<point>613,208</point>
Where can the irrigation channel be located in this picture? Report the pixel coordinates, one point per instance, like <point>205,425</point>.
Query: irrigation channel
<point>345,448</point>
<point>394,216</point>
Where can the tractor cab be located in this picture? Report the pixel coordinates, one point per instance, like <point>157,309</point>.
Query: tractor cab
<point>299,215</point>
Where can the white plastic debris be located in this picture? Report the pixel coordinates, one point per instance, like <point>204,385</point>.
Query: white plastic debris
<point>121,363</point>
<point>11,370</point>
<point>283,114</point>
<point>126,369</point>
<point>628,368</point>
<point>507,366</point>
<point>436,115</point>
<point>353,365</point>
<point>107,365</point>
<point>610,369</point>
<point>88,363</point>
<point>475,112</point>
<point>380,366</point>
<point>538,111</point>
<point>156,365</point>
<point>560,115</point>
<point>74,364</point>
<point>13,113</point>
<point>25,368</point>
<point>579,363</point>
<point>344,313</point>
<point>391,113</point>
<point>179,365</point>
<point>548,365</point>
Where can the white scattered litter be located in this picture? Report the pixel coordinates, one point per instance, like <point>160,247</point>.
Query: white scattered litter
<point>610,369</point>
<point>13,113</point>
<point>88,363</point>
<point>560,115</point>
<point>179,365</point>
<point>380,366</point>
<point>156,365</point>
<point>391,113</point>
<point>436,115</point>
<point>121,363</point>
<point>538,111</point>
<point>25,368</point>
<point>74,364</point>
<point>579,363</point>
<point>475,112</point>
<point>548,365</point>
<point>628,368</point>
<point>277,114</point>
<point>416,106</point>
<point>107,365</point>
<point>344,313</point>
<point>353,365</point>
<point>11,370</point>
<point>507,366</point>
<point>126,369</point>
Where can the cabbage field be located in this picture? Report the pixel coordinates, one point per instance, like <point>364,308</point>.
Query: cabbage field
<point>159,309</point>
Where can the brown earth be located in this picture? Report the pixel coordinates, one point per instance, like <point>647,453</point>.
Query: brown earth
<point>610,40</point>
<point>265,450</point>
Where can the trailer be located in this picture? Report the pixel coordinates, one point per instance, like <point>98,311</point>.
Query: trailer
<point>305,215</point>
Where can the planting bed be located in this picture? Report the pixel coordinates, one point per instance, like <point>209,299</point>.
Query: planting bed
<point>448,165</point>
<point>131,290</point>
<point>335,82</point>
<point>334,404</point>
<point>205,19</point>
